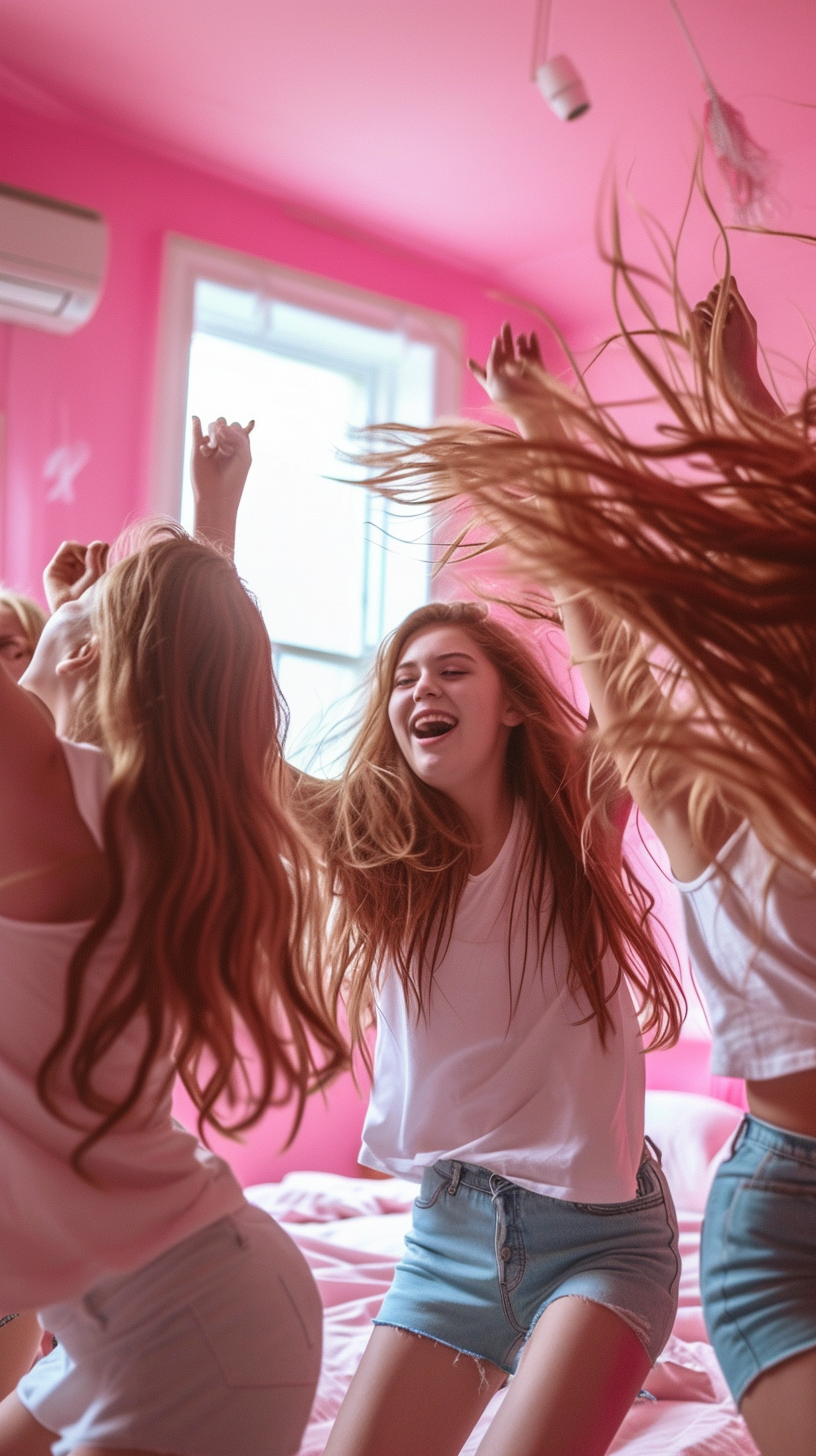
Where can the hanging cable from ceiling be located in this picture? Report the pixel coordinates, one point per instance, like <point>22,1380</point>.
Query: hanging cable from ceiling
<point>556,77</point>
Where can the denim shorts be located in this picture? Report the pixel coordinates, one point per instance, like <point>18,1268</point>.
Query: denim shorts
<point>210,1349</point>
<point>484,1258</point>
<point>758,1254</point>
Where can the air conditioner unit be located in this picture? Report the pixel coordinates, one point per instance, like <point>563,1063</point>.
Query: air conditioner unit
<point>52,260</point>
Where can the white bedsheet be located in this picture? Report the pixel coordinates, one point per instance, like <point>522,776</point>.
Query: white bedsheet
<point>351,1232</point>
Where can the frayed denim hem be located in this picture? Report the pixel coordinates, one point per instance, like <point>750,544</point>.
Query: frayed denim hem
<point>481,1360</point>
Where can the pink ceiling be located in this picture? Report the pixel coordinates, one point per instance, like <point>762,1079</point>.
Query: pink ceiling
<point>416,118</point>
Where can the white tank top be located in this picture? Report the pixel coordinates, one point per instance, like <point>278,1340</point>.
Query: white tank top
<point>502,1069</point>
<point>153,1184</point>
<point>755,956</point>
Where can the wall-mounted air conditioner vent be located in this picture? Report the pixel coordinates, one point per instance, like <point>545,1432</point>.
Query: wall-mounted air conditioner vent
<point>52,260</point>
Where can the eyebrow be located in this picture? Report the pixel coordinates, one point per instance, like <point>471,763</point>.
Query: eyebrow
<point>442,657</point>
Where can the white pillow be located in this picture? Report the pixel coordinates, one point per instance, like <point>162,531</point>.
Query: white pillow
<point>694,1134</point>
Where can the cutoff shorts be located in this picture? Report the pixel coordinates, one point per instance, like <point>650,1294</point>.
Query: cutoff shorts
<point>758,1253</point>
<point>211,1349</point>
<point>484,1259</point>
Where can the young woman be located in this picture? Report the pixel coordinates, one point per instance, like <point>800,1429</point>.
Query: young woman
<point>498,932</point>
<point>154,898</point>
<point>496,929</point>
<point>704,760</point>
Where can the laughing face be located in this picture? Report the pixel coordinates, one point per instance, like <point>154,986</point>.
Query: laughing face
<point>449,711</point>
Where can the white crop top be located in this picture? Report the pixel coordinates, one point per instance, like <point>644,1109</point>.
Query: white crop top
<point>503,1070</point>
<point>153,1184</point>
<point>752,941</point>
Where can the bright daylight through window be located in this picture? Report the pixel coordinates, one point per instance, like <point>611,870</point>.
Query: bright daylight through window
<point>333,567</point>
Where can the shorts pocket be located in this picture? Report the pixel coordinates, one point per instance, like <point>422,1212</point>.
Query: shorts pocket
<point>265,1329</point>
<point>802,1192</point>
<point>433,1184</point>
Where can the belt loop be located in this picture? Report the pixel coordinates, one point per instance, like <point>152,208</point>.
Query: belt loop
<point>739,1136</point>
<point>455,1176</point>
<point>655,1149</point>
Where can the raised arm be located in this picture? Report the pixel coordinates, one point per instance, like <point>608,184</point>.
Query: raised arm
<point>513,379</point>
<point>219,466</point>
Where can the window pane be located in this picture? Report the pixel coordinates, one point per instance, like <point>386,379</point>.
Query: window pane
<point>332,566</point>
<point>301,537</point>
<point>322,701</point>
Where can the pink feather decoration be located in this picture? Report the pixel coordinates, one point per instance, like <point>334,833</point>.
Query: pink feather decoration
<point>747,167</point>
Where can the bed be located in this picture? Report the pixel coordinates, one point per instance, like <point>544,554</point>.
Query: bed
<point>351,1232</point>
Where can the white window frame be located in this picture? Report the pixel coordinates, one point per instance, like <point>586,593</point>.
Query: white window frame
<point>186,260</point>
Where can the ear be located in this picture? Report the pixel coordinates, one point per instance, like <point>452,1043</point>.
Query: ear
<point>511,717</point>
<point>81,661</point>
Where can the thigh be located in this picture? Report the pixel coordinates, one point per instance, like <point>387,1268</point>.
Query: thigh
<point>779,1408</point>
<point>20,1433</point>
<point>412,1394</point>
<point>580,1371</point>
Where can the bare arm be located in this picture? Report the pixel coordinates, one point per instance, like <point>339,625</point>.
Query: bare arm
<point>219,466</point>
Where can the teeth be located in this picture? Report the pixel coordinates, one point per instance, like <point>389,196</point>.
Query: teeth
<point>433,725</point>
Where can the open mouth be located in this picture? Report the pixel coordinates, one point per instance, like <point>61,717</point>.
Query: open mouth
<point>433,725</point>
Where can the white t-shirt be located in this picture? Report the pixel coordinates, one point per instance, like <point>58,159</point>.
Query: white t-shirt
<point>502,1069</point>
<point>152,1183</point>
<point>752,941</point>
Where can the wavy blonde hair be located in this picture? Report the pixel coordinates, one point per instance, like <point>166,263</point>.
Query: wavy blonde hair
<point>228,925</point>
<point>399,852</point>
<point>698,546</point>
<point>29,614</point>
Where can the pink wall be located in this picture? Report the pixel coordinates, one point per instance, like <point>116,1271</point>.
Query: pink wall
<point>96,385</point>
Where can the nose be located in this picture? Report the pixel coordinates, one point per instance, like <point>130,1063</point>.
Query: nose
<point>425,687</point>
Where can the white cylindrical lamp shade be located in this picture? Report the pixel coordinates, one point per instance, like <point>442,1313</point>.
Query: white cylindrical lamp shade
<point>562,88</point>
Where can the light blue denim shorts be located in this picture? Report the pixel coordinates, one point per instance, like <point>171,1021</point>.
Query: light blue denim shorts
<point>212,1348</point>
<point>484,1258</point>
<point>758,1253</point>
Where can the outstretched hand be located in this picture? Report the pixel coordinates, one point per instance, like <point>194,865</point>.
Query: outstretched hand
<point>736,360</point>
<point>219,466</point>
<point>512,365</point>
<point>72,570</point>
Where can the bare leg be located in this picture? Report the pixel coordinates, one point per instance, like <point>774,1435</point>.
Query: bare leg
<point>581,1370</point>
<point>19,1343</point>
<point>779,1409</point>
<point>20,1434</point>
<point>411,1395</point>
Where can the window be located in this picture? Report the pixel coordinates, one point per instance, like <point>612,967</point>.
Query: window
<point>333,567</point>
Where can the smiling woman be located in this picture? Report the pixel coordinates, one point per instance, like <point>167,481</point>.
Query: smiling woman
<point>485,914</point>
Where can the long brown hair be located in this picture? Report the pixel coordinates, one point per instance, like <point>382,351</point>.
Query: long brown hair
<point>698,544</point>
<point>227,927</point>
<point>399,852</point>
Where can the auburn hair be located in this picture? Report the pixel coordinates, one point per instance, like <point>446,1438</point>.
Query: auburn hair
<point>698,545</point>
<point>226,937</point>
<point>398,852</point>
